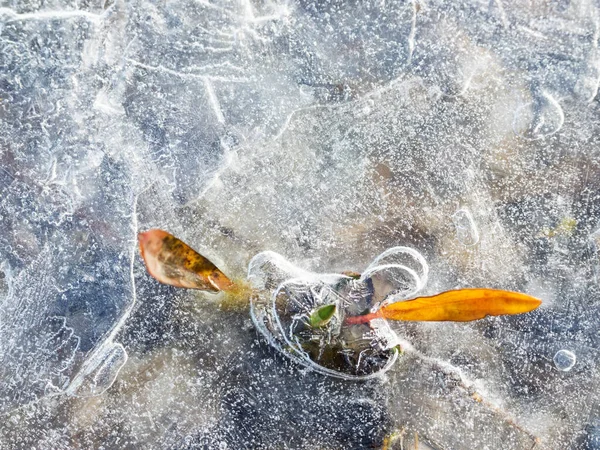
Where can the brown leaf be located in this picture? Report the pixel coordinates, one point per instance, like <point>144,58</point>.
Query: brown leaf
<point>461,305</point>
<point>172,261</point>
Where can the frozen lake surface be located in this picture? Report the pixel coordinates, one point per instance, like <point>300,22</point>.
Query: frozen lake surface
<point>327,132</point>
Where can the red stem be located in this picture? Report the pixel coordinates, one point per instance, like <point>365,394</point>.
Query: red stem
<point>355,320</point>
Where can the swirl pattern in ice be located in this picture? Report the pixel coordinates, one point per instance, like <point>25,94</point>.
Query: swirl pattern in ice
<point>288,295</point>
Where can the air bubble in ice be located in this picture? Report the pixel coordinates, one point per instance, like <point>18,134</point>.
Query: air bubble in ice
<point>586,87</point>
<point>564,360</point>
<point>288,295</point>
<point>466,230</point>
<point>538,119</point>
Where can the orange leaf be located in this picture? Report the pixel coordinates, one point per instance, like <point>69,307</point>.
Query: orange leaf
<point>172,261</point>
<point>461,305</point>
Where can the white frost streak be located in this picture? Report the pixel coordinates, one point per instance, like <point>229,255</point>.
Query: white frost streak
<point>413,31</point>
<point>185,75</point>
<point>210,92</point>
<point>50,15</point>
<point>213,100</point>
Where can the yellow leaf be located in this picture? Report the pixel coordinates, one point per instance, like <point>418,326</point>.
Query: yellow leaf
<point>461,305</point>
<point>172,261</point>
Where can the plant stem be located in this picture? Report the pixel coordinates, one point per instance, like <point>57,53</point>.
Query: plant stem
<point>355,320</point>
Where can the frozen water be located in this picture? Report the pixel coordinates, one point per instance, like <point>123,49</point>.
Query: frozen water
<point>327,132</point>
<point>564,360</point>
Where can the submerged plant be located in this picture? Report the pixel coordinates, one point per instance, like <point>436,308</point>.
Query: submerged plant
<point>322,316</point>
<point>332,322</point>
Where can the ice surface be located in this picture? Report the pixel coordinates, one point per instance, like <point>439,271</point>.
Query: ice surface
<point>327,132</point>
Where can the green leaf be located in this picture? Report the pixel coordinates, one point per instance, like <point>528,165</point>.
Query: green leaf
<point>321,316</point>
